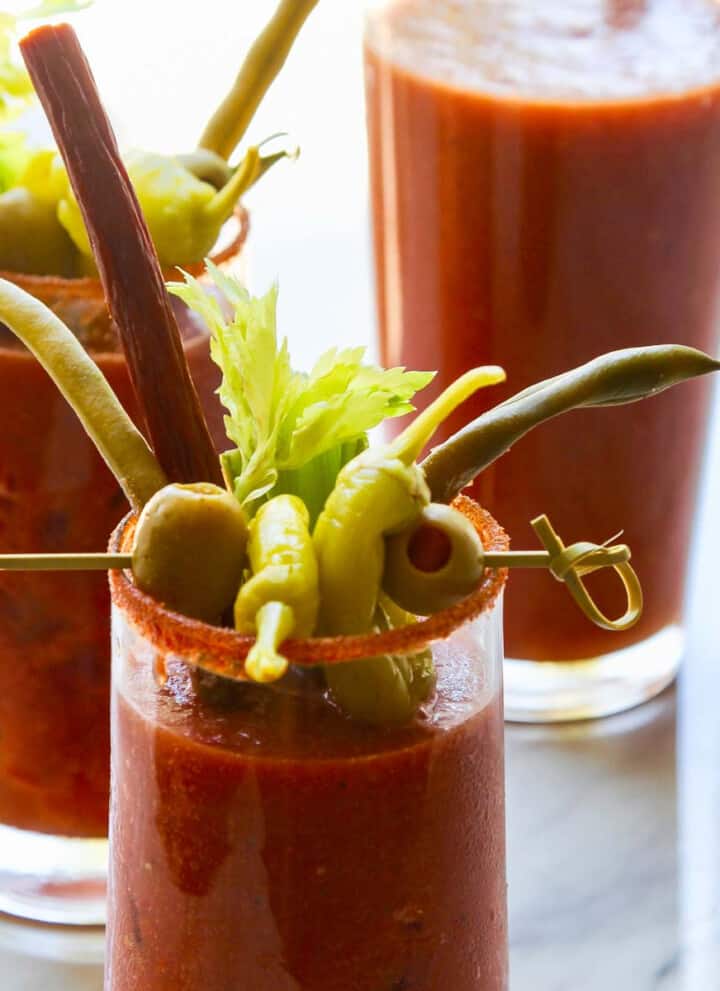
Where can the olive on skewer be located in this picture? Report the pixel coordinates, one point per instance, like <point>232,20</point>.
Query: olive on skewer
<point>439,560</point>
<point>434,563</point>
<point>190,549</point>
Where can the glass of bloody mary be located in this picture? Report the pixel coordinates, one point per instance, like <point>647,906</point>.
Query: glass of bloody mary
<point>261,839</point>
<point>545,187</point>
<point>55,490</point>
<point>57,494</point>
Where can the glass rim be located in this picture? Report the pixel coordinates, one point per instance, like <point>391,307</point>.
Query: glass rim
<point>519,97</point>
<point>222,651</point>
<point>89,286</point>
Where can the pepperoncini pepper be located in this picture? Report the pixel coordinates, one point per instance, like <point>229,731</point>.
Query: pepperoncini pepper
<point>281,598</point>
<point>184,213</point>
<point>380,491</point>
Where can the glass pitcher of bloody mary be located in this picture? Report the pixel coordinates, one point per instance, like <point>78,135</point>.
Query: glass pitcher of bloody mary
<point>546,185</point>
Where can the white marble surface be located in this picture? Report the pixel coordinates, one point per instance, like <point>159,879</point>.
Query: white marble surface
<point>614,827</point>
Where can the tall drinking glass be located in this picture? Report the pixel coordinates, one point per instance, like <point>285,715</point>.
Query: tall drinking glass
<point>545,187</point>
<point>56,494</point>
<point>263,841</point>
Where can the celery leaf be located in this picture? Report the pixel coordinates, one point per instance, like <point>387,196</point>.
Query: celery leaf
<point>292,431</point>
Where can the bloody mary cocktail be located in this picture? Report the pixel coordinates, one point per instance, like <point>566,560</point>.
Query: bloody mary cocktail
<point>55,490</point>
<point>57,494</point>
<point>263,840</point>
<point>545,186</point>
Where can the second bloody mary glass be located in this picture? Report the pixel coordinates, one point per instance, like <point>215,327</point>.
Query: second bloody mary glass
<point>261,840</point>
<point>545,187</point>
<point>57,494</point>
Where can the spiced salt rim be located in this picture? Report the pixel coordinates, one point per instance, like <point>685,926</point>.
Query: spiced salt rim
<point>223,651</point>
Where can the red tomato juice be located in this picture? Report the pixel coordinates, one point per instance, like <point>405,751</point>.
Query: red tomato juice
<point>277,846</point>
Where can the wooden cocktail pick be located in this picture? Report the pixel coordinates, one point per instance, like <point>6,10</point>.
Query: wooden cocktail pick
<point>567,564</point>
<point>124,254</point>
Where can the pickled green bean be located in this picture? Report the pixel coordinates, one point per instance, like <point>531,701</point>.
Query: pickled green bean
<point>81,382</point>
<point>609,380</point>
<point>264,61</point>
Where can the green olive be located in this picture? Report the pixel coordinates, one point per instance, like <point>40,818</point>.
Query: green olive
<point>190,546</point>
<point>32,240</point>
<point>434,563</point>
<point>207,166</point>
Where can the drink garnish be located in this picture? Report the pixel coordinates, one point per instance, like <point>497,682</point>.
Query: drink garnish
<point>83,385</point>
<point>612,379</point>
<point>186,198</point>
<point>292,431</point>
<point>307,434</point>
<point>378,503</point>
<point>283,596</point>
<point>379,492</point>
<point>439,560</point>
<point>228,124</point>
<point>125,255</point>
<point>190,549</point>
<point>31,238</point>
